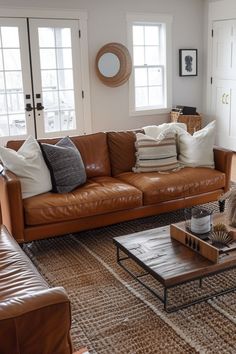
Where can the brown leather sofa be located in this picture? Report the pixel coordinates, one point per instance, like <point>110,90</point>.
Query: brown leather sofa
<point>112,193</point>
<point>34,319</point>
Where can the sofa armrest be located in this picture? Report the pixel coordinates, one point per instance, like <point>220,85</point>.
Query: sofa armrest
<point>36,323</point>
<point>223,161</point>
<point>12,205</point>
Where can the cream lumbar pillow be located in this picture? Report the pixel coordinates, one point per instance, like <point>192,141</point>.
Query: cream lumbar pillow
<point>155,154</point>
<point>197,150</point>
<point>28,164</point>
<point>155,130</point>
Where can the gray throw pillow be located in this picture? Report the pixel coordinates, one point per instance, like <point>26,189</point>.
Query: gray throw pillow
<point>65,165</point>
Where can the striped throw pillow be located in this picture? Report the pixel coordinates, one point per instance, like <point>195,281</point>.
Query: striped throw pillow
<point>153,155</point>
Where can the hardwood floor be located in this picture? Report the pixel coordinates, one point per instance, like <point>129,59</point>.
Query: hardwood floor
<point>233,171</point>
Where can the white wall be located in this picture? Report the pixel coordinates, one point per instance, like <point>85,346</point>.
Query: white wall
<point>107,23</point>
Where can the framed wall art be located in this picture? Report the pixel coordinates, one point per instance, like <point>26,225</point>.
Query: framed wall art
<point>188,62</point>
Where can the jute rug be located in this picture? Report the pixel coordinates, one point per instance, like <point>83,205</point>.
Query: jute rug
<point>112,313</point>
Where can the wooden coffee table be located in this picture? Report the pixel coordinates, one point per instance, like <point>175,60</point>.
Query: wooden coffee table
<point>169,262</point>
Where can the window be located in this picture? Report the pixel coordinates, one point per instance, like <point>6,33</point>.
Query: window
<point>150,48</point>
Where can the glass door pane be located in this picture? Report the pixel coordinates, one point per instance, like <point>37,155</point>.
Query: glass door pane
<point>55,58</point>
<point>15,81</point>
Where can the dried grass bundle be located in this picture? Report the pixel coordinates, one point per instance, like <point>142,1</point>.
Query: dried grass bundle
<point>231,197</point>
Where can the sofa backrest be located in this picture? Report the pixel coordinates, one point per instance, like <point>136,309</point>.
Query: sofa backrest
<point>122,150</point>
<point>93,149</point>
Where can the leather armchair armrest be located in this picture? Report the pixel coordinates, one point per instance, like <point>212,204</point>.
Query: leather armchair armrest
<point>12,205</point>
<point>223,162</point>
<point>36,323</point>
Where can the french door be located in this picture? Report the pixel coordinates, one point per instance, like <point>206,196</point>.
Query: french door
<point>40,78</point>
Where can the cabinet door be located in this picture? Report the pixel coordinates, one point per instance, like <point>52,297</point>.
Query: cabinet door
<point>224,108</point>
<point>224,46</point>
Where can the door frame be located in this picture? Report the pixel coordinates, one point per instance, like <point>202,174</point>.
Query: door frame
<point>80,15</point>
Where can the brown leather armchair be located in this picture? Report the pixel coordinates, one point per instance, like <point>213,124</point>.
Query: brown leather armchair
<point>34,319</point>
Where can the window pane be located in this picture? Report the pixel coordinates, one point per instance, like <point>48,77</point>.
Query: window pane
<point>155,76</point>
<point>15,102</point>
<point>155,96</point>
<point>138,56</point>
<point>66,99</point>
<point>4,129</point>
<point>64,59</point>
<point>65,78</point>
<point>3,104</point>
<point>2,84</point>
<point>63,37</point>
<point>1,66</point>
<point>17,124</point>
<point>138,35</point>
<point>152,35</point>
<point>14,81</point>
<point>49,80</point>
<point>52,121</point>
<point>46,37</point>
<point>12,59</point>
<point>47,58</point>
<point>140,77</point>
<point>141,96</point>
<point>10,37</point>
<point>50,100</point>
<point>67,120</point>
<point>152,55</point>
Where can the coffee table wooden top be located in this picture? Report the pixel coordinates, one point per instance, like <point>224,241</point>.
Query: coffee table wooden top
<point>168,260</point>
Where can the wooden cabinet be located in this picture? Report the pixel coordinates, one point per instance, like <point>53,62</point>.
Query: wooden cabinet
<point>193,122</point>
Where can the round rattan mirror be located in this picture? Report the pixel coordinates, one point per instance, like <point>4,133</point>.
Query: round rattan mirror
<point>113,64</point>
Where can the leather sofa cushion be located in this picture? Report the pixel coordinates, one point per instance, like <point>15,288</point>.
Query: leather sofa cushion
<point>122,150</point>
<point>94,152</point>
<point>93,149</point>
<point>159,187</point>
<point>18,276</point>
<point>99,195</point>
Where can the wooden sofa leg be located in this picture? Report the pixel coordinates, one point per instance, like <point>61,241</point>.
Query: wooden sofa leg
<point>222,206</point>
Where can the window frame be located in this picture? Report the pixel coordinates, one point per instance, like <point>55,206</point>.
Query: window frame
<point>166,25</point>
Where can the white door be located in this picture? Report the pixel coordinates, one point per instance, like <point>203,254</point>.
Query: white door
<point>224,108</point>
<point>224,45</point>
<point>40,78</point>
<point>223,104</point>
<point>57,77</point>
<point>15,81</point>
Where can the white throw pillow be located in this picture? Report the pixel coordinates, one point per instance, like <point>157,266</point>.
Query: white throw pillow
<point>155,154</point>
<point>197,149</point>
<point>28,164</point>
<point>155,130</point>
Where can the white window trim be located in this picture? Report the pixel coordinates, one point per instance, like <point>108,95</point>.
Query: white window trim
<point>143,18</point>
<point>80,15</point>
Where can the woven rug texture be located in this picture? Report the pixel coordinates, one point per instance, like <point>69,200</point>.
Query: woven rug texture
<point>113,313</point>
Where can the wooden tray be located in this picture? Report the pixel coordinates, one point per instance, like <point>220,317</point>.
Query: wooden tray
<point>180,233</point>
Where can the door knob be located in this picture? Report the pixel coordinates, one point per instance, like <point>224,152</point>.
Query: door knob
<point>28,107</point>
<point>39,106</point>
<point>223,98</point>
